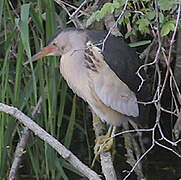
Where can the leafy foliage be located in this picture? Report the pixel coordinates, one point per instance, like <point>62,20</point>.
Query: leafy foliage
<point>167,4</point>
<point>167,27</point>
<point>23,30</point>
<point>140,14</point>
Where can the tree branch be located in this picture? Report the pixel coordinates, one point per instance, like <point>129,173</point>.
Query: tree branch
<point>65,153</point>
<point>22,144</point>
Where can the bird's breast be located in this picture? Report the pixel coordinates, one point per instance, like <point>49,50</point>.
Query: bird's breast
<point>73,70</point>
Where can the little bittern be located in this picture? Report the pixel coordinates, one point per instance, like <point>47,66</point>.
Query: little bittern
<point>106,80</point>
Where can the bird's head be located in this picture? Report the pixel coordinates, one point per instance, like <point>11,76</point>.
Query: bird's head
<point>62,42</point>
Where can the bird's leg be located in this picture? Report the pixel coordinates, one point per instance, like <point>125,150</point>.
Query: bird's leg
<point>103,143</point>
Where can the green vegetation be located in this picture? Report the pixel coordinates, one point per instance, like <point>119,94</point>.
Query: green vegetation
<point>23,32</point>
<point>142,19</point>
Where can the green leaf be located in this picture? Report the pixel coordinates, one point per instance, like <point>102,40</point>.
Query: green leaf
<point>24,31</point>
<point>121,20</point>
<point>24,28</point>
<point>92,18</point>
<point>106,9</point>
<point>139,43</point>
<point>61,170</point>
<point>126,20</point>
<point>1,10</point>
<point>127,14</point>
<point>166,4</point>
<point>117,12</point>
<point>161,17</point>
<point>143,25</point>
<point>36,20</point>
<point>116,4</point>
<point>167,27</point>
<point>134,18</point>
<point>120,2</point>
<point>70,129</point>
<point>151,15</point>
<point>132,32</point>
<point>143,22</point>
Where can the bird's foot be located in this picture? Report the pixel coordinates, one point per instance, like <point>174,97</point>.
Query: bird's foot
<point>103,143</point>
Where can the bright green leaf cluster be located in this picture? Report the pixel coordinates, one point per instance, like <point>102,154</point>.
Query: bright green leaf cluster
<point>167,27</point>
<point>143,24</point>
<point>140,15</point>
<point>166,4</point>
<point>108,8</point>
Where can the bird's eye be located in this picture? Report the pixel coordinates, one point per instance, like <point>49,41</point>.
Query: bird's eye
<point>54,44</point>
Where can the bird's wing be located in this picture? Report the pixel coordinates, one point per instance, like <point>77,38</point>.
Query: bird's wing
<point>107,86</point>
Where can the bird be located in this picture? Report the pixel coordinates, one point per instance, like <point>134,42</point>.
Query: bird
<point>105,78</point>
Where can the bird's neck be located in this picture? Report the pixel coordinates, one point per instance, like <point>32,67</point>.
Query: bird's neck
<point>73,70</point>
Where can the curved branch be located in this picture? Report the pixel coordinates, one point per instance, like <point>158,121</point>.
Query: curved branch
<point>40,132</point>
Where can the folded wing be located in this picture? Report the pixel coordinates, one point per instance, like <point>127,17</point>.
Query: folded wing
<point>108,87</point>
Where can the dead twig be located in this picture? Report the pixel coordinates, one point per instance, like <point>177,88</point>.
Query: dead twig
<point>20,149</point>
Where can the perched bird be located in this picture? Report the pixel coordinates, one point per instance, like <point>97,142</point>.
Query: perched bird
<point>106,80</point>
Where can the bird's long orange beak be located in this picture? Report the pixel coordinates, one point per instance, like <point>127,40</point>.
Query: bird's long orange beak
<point>44,52</point>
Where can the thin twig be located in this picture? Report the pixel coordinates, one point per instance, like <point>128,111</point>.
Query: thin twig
<point>78,9</point>
<point>170,149</point>
<point>144,154</point>
<point>20,149</point>
<point>133,152</point>
<point>75,20</point>
<point>115,24</point>
<point>73,7</point>
<point>157,103</point>
<point>167,60</point>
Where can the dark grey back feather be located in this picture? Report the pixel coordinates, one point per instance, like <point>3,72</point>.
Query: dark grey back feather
<point>124,61</point>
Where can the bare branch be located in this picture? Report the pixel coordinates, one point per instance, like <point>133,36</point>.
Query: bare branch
<point>75,20</point>
<point>107,166</point>
<point>79,8</point>
<point>106,159</point>
<point>22,144</point>
<point>20,150</point>
<point>65,153</point>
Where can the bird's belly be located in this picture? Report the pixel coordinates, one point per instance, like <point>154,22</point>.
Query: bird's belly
<point>105,113</point>
<point>79,83</point>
